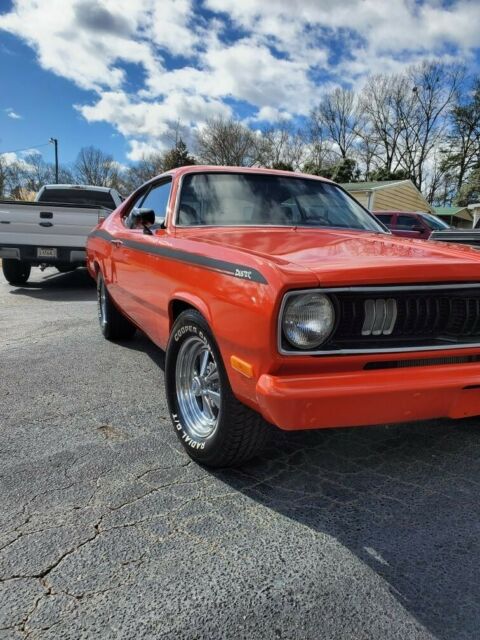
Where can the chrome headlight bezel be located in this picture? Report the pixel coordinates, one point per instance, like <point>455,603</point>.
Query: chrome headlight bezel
<point>288,347</point>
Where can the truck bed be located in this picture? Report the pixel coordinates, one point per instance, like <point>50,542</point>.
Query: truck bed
<point>460,236</point>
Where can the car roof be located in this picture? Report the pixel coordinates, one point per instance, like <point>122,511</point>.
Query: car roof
<point>403,213</point>
<point>79,187</point>
<point>206,168</point>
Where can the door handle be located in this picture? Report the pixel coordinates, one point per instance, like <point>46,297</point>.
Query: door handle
<point>116,243</point>
<point>46,224</point>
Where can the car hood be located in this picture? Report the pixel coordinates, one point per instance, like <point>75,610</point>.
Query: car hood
<point>341,257</point>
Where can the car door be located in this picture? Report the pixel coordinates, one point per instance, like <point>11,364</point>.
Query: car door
<point>139,264</point>
<point>409,226</point>
<point>113,261</point>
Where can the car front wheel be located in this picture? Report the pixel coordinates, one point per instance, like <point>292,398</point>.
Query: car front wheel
<point>214,427</point>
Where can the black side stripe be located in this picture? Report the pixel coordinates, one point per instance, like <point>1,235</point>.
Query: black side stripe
<point>229,268</point>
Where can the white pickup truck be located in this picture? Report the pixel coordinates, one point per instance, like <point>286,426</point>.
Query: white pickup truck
<point>52,230</point>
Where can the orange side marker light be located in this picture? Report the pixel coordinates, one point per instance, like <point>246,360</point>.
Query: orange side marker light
<point>245,368</point>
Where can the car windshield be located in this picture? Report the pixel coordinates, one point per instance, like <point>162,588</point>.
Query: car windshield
<point>81,197</point>
<point>435,223</point>
<point>243,199</point>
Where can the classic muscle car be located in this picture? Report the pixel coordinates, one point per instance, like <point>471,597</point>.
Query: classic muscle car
<point>279,299</point>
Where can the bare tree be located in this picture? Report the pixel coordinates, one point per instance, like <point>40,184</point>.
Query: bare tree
<point>367,153</point>
<point>282,146</point>
<point>36,172</point>
<point>338,116</point>
<point>424,111</point>
<point>26,175</point>
<point>147,167</point>
<point>97,168</point>
<point>462,154</point>
<point>4,176</point>
<point>227,142</point>
<point>319,152</point>
<point>381,105</point>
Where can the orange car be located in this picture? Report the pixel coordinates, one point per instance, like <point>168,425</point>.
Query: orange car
<point>279,299</point>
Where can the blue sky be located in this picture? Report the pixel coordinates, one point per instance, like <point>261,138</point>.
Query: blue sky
<point>119,74</point>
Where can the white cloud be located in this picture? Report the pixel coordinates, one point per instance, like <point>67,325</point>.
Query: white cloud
<point>279,58</point>
<point>30,152</point>
<point>13,114</point>
<point>67,44</point>
<point>270,114</point>
<point>12,157</point>
<point>9,158</point>
<point>148,125</point>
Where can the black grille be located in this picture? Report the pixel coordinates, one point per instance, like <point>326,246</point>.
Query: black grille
<point>426,362</point>
<point>430,317</point>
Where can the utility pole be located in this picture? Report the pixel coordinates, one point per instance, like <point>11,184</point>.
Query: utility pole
<point>54,141</point>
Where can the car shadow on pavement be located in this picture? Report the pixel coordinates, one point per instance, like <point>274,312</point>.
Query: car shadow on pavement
<point>404,499</point>
<point>73,286</point>
<point>142,343</point>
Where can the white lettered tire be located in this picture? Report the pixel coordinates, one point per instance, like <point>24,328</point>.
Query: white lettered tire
<point>214,427</point>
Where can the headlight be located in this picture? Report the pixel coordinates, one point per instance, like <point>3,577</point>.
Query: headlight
<point>308,320</point>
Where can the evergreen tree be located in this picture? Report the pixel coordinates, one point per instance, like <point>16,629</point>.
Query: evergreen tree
<point>178,156</point>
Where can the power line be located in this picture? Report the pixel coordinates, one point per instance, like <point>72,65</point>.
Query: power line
<point>32,146</point>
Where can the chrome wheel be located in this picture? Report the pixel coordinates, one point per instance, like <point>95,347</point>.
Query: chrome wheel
<point>102,304</point>
<point>197,388</point>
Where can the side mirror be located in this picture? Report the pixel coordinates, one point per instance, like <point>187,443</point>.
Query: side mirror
<point>418,228</point>
<point>141,218</point>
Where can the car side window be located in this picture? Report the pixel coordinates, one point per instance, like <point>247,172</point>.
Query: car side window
<point>386,218</point>
<point>157,199</point>
<point>407,222</point>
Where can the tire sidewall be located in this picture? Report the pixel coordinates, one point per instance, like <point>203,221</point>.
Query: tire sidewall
<point>103,326</point>
<point>188,324</point>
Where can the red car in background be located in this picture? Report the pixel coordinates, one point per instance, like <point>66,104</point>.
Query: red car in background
<point>410,224</point>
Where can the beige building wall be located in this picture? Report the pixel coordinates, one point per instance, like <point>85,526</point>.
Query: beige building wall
<point>401,197</point>
<point>361,197</point>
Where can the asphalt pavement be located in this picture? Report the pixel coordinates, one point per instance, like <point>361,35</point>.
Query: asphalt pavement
<point>107,530</point>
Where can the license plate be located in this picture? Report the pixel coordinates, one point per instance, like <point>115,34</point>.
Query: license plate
<point>46,253</point>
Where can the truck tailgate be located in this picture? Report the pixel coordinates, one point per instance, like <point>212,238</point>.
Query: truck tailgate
<point>461,236</point>
<point>41,224</point>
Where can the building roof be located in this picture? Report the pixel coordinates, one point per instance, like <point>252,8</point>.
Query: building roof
<point>370,186</point>
<point>447,211</point>
<point>458,212</point>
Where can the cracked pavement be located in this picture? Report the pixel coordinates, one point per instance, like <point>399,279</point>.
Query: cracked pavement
<point>107,530</point>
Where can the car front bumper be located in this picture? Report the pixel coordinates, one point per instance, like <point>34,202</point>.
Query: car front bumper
<point>370,397</point>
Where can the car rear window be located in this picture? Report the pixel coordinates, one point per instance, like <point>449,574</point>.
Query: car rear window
<point>249,199</point>
<point>82,197</point>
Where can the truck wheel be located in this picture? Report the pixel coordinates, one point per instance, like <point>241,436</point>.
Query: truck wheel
<point>214,427</point>
<point>113,324</point>
<point>16,272</point>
